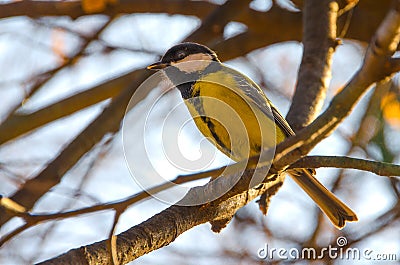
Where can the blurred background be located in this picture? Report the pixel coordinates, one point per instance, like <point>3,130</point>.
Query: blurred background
<point>61,65</point>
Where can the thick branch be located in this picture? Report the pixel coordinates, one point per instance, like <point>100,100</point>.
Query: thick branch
<point>157,235</point>
<point>289,29</point>
<point>368,13</point>
<point>19,124</point>
<point>74,9</point>
<point>108,121</point>
<point>152,234</point>
<point>376,67</point>
<point>119,206</point>
<point>344,5</point>
<point>165,227</point>
<point>379,168</point>
<point>319,41</point>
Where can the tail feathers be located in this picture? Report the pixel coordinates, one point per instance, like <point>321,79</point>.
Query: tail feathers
<point>337,212</point>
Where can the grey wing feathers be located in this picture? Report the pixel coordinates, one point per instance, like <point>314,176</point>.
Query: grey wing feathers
<point>254,92</point>
<point>282,123</point>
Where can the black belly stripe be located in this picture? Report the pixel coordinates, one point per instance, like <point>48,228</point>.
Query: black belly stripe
<point>217,139</point>
<point>257,148</point>
<point>194,97</point>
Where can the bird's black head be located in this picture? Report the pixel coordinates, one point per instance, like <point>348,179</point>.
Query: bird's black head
<point>186,52</point>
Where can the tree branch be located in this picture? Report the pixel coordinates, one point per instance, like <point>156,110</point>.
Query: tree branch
<point>344,5</point>
<point>244,43</point>
<point>119,205</point>
<point>73,9</point>
<point>108,121</point>
<point>379,168</point>
<point>44,78</point>
<point>212,28</point>
<point>394,65</point>
<point>289,22</point>
<point>19,124</point>
<point>319,41</point>
<point>367,127</point>
<point>376,67</point>
<point>165,227</point>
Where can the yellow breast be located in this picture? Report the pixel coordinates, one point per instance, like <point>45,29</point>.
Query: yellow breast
<point>229,118</point>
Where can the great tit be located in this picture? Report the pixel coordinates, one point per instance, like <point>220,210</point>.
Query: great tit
<point>219,98</point>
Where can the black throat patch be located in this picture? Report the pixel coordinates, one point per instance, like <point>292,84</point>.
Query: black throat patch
<point>184,81</point>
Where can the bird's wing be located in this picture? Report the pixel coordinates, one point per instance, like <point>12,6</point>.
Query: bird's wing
<point>256,95</point>
<point>282,123</point>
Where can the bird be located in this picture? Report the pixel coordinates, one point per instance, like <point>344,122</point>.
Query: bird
<point>214,93</point>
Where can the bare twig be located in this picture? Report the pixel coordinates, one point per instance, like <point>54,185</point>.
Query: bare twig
<point>107,121</point>
<point>42,79</point>
<point>379,168</point>
<point>20,123</point>
<point>119,205</point>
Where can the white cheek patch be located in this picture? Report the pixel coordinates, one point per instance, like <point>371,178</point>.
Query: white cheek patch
<point>193,63</point>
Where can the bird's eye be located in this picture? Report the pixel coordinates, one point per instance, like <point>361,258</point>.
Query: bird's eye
<point>180,55</point>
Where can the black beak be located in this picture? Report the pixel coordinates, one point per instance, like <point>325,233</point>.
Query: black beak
<point>157,66</point>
